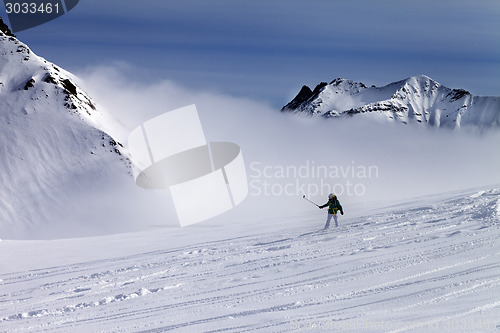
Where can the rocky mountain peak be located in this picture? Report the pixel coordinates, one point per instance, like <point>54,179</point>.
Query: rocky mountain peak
<point>418,99</point>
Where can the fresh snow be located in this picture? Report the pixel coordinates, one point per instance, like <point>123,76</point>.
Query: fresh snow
<point>426,266</point>
<point>62,174</point>
<point>417,99</point>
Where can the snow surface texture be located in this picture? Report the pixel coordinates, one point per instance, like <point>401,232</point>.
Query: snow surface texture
<point>44,135</point>
<point>61,173</point>
<point>417,99</point>
<point>429,266</point>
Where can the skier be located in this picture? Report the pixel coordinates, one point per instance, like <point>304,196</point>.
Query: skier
<point>333,206</point>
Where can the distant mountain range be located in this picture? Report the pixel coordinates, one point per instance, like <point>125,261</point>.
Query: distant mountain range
<point>417,99</point>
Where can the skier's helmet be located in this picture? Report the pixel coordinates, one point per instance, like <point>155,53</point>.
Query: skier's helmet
<point>331,195</point>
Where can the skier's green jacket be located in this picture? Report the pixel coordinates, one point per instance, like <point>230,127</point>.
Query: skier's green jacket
<point>333,206</point>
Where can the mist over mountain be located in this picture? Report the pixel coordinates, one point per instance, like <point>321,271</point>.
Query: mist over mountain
<point>66,174</point>
<point>417,99</point>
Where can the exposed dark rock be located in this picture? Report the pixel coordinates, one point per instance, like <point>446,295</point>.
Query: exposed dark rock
<point>304,94</point>
<point>22,49</point>
<point>339,80</point>
<point>318,88</point>
<point>69,86</point>
<point>456,94</point>
<point>5,29</point>
<point>70,106</point>
<point>29,84</point>
<point>49,79</point>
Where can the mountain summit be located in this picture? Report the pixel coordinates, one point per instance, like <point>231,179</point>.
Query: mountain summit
<point>417,99</point>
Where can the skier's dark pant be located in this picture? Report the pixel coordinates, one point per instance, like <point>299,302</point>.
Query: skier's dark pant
<point>327,225</point>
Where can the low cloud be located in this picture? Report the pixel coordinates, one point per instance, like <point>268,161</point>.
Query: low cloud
<point>292,156</point>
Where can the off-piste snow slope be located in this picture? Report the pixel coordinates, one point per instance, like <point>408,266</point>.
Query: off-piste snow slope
<point>417,99</point>
<point>428,266</point>
<point>61,173</point>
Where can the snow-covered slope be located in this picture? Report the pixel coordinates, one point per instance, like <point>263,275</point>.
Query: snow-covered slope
<point>53,151</point>
<point>417,99</point>
<point>428,266</point>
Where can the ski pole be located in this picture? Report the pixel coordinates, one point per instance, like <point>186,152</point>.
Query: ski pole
<point>310,200</point>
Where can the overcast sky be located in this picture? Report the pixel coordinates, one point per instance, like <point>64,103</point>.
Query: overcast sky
<point>266,50</point>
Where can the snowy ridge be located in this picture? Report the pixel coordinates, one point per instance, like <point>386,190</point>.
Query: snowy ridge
<point>427,266</point>
<point>417,99</point>
<point>30,77</point>
<point>52,144</point>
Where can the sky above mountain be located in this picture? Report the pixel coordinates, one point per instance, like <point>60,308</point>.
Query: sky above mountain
<point>267,50</point>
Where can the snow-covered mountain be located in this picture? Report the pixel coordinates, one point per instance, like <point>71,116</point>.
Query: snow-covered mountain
<point>417,99</point>
<point>52,145</point>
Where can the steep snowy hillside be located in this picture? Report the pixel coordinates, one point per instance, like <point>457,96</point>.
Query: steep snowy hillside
<point>428,266</point>
<point>417,99</point>
<point>52,150</point>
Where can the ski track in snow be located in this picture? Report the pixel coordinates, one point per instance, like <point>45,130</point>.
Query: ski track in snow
<point>419,269</point>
